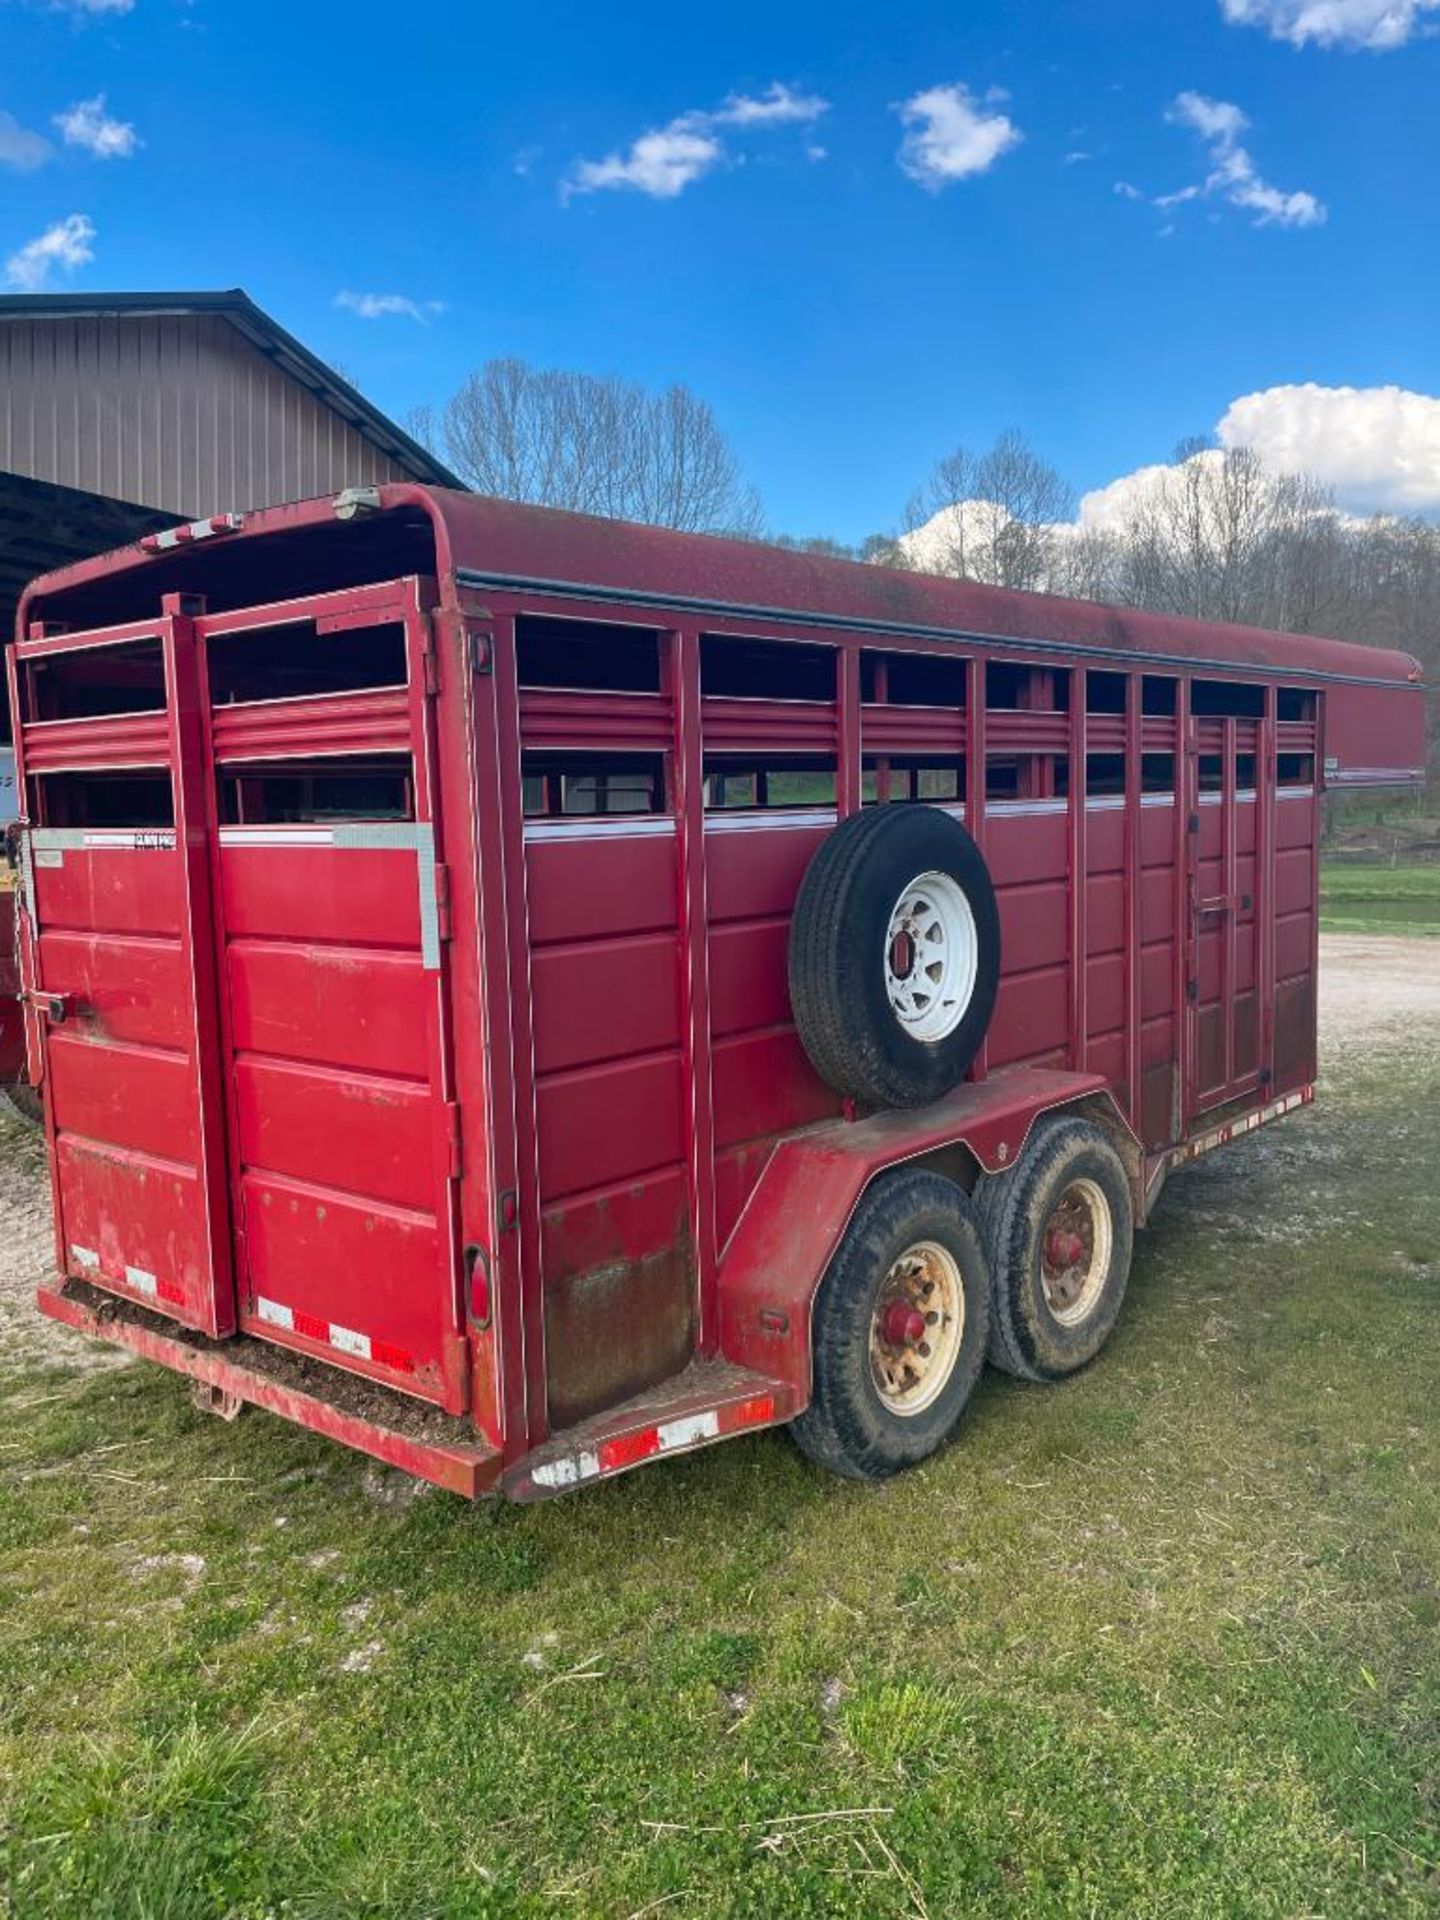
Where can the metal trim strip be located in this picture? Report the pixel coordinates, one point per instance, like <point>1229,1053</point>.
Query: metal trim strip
<point>600,827</point>
<point>842,623</point>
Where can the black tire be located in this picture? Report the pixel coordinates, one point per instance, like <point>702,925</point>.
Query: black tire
<point>849,1427</point>
<point>854,1037</point>
<point>1031,1334</point>
<point>24,1102</point>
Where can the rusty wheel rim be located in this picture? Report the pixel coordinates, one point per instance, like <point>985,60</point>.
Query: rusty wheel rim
<point>917,1328</point>
<point>1076,1247</point>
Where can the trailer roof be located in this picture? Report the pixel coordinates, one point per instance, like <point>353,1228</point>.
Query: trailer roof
<point>502,545</point>
<point>498,543</point>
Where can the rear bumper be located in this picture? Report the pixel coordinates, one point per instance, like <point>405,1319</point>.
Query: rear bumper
<point>467,1469</point>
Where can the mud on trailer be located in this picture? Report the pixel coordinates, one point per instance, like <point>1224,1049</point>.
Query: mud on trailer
<point>525,995</point>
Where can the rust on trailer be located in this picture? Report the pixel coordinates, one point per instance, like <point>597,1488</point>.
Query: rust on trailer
<point>407,890</point>
<point>708,1400</point>
<point>461,1466</point>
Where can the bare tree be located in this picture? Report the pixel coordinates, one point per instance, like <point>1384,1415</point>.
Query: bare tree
<point>1224,537</point>
<point>596,445</point>
<point>992,516</point>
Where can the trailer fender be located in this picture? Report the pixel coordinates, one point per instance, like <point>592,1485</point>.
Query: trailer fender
<point>801,1205</point>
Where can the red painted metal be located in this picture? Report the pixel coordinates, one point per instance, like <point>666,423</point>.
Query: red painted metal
<point>463,1466</point>
<point>809,1189</point>
<point>507,1112</point>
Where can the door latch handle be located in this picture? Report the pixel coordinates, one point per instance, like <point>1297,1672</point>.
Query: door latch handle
<point>55,1007</point>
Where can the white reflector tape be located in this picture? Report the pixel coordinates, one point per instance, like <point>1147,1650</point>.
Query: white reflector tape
<point>85,1257</point>
<point>688,1432</point>
<point>142,1281</point>
<point>567,1472</point>
<point>275,1315</point>
<point>348,1342</point>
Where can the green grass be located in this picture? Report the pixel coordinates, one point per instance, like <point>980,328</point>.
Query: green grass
<point>1379,899</point>
<point>1162,1641</point>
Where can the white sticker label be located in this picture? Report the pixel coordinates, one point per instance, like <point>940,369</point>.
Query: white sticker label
<point>348,1342</point>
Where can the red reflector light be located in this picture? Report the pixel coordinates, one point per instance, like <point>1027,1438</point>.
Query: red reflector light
<point>167,1290</point>
<point>754,1412</point>
<point>312,1327</point>
<point>629,1448</point>
<point>396,1358</point>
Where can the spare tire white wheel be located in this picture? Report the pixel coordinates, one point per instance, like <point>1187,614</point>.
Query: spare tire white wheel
<point>895,955</point>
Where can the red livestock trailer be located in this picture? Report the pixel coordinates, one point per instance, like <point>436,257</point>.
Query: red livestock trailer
<point>525,995</point>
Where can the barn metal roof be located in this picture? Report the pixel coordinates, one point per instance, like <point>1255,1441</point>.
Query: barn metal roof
<point>266,334</point>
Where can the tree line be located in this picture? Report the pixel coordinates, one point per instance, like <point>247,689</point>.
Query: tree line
<point>1216,533</point>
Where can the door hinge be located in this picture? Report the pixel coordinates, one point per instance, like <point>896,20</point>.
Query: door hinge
<point>443,916</point>
<point>1192,990</point>
<point>453,1142</point>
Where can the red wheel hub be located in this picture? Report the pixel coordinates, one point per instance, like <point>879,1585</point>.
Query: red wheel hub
<point>903,1325</point>
<point>1064,1249</point>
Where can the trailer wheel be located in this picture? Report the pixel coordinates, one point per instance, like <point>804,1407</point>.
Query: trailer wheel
<point>1058,1231</point>
<point>894,955</point>
<point>899,1329</point>
<point>24,1102</point>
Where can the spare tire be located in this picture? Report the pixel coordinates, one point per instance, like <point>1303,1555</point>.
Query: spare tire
<point>895,955</point>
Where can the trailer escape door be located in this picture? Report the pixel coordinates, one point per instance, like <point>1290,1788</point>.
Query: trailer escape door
<point>122,1022</point>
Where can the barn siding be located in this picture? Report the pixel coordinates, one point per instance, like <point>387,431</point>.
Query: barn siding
<point>176,411</point>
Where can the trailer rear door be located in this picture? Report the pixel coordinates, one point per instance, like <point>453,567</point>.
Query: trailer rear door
<point>330,904</point>
<point>122,1012</point>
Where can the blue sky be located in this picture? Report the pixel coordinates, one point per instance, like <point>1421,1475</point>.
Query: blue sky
<point>850,307</point>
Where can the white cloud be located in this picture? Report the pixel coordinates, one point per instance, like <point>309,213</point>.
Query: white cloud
<point>1374,25</point>
<point>778,106</point>
<point>1216,120</point>
<point>380,306</point>
<point>1233,174</point>
<point>952,136</point>
<point>663,161</point>
<point>1128,191</point>
<point>1377,447</point>
<point>63,247</point>
<point>93,6</point>
<point>87,125</point>
<point>19,147</point>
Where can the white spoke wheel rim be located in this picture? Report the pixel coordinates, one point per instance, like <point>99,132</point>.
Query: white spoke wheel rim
<point>932,955</point>
<point>917,1328</point>
<point>1077,1245</point>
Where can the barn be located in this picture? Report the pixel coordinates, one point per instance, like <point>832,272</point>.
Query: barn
<point>124,413</point>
